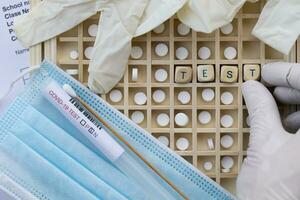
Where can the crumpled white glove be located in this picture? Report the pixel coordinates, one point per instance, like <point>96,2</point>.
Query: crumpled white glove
<point>113,44</point>
<point>120,21</point>
<point>279,24</point>
<point>157,12</point>
<point>271,170</point>
<point>208,15</point>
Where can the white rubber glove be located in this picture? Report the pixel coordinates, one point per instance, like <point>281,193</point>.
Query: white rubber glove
<point>279,24</point>
<point>271,170</point>
<point>120,21</point>
<point>156,12</point>
<point>51,18</point>
<point>208,15</point>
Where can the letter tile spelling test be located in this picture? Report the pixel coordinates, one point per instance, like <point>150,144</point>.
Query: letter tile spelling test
<point>184,87</point>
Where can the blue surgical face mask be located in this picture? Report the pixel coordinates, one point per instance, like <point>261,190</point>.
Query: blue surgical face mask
<point>43,156</point>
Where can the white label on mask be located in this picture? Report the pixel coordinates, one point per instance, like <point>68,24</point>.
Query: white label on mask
<point>91,129</point>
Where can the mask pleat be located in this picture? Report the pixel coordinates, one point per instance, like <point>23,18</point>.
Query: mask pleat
<point>81,154</point>
<point>63,162</point>
<point>50,112</point>
<point>35,174</point>
<point>62,150</point>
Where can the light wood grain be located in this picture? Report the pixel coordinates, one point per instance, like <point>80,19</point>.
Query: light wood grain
<point>250,51</point>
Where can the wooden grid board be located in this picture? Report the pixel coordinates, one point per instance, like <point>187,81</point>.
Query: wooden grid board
<point>250,51</point>
<point>36,51</point>
<point>298,50</point>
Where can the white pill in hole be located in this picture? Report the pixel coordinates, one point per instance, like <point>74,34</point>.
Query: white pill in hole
<point>159,29</point>
<point>164,140</point>
<point>181,119</point>
<point>207,166</point>
<point>208,94</point>
<point>226,121</point>
<point>182,53</point>
<point>184,97</point>
<point>227,98</point>
<point>226,141</point>
<point>227,162</point>
<point>161,49</point>
<point>161,75</point>
<point>93,30</point>
<point>88,52</point>
<point>136,52</point>
<point>134,74</point>
<point>159,96</point>
<point>182,144</point>
<point>210,144</point>
<point>183,29</point>
<point>140,98</point>
<point>204,117</point>
<point>163,119</point>
<point>227,29</point>
<point>248,121</point>
<point>230,53</point>
<point>74,54</point>
<point>204,53</point>
<point>225,170</point>
<point>137,117</point>
<point>115,95</point>
<point>72,72</point>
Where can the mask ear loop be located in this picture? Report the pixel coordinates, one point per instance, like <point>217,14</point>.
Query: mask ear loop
<point>29,70</point>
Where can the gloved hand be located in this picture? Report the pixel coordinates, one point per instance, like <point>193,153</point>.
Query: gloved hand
<point>271,170</point>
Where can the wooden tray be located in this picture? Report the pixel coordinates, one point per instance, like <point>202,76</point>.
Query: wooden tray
<point>250,51</point>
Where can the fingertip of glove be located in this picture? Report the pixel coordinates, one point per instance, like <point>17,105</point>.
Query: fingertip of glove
<point>266,69</point>
<point>248,85</point>
<point>276,73</point>
<point>249,88</point>
<point>254,91</point>
<point>94,86</point>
